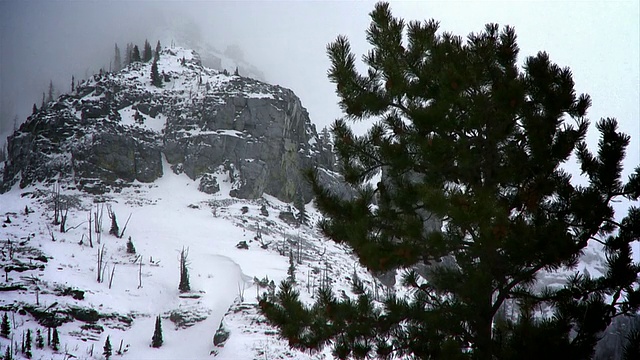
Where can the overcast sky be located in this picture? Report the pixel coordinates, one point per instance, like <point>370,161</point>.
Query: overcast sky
<point>53,40</point>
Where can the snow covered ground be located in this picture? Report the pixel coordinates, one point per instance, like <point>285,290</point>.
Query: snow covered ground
<point>165,217</point>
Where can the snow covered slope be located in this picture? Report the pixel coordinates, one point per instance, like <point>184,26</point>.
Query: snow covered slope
<point>165,216</point>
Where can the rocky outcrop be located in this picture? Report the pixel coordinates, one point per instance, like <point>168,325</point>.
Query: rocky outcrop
<point>116,128</point>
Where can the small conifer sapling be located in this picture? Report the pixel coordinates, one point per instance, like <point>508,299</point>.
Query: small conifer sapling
<point>156,340</point>
<point>107,348</point>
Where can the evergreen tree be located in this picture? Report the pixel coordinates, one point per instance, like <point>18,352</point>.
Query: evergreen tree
<point>55,340</point>
<point>291,271</point>
<point>73,83</point>
<point>135,54</point>
<point>303,217</point>
<point>184,272</point>
<point>147,55</point>
<point>156,340</point>
<point>7,354</point>
<point>156,80</point>
<point>27,345</point>
<point>467,136</point>
<point>156,54</point>
<point>107,348</point>
<point>127,54</point>
<point>115,229</point>
<point>39,339</point>
<point>51,93</point>
<point>5,327</point>
<point>236,73</point>
<point>117,60</point>
<point>43,105</point>
<point>131,249</point>
<point>34,110</point>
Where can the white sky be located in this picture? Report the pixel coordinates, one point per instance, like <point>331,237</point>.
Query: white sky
<point>43,40</point>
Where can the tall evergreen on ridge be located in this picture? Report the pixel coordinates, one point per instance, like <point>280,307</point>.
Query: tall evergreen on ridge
<point>156,54</point>
<point>465,135</point>
<point>117,60</point>
<point>51,94</point>
<point>147,53</point>
<point>135,54</point>
<point>127,54</point>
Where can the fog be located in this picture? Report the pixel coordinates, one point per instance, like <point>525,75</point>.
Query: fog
<point>42,41</point>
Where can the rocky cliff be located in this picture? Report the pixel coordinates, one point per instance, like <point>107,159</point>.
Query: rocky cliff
<point>117,128</point>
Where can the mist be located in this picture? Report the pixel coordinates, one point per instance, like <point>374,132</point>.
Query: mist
<point>42,41</point>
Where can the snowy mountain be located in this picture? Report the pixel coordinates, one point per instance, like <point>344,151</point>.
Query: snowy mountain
<point>205,163</point>
<point>208,163</point>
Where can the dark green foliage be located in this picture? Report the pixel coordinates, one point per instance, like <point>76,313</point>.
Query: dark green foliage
<point>236,73</point>
<point>34,109</point>
<point>303,217</point>
<point>106,350</point>
<point>27,345</point>
<point>7,354</point>
<point>39,340</point>
<point>55,340</point>
<point>147,54</point>
<point>156,54</point>
<point>631,350</point>
<point>291,272</point>
<point>5,327</point>
<point>135,54</point>
<point>464,135</point>
<point>114,230</point>
<point>156,80</point>
<point>156,340</point>
<point>131,249</point>
<point>117,62</point>
<point>184,272</point>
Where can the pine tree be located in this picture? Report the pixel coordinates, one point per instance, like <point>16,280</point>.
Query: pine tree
<point>43,105</point>
<point>27,346</point>
<point>147,55</point>
<point>117,60</point>
<point>236,73</point>
<point>34,110</point>
<point>131,249</point>
<point>156,80</point>
<point>39,339</point>
<point>291,271</point>
<point>135,54</point>
<point>184,285</point>
<point>107,348</point>
<point>5,327</point>
<point>156,54</point>
<point>55,340</point>
<point>7,354</point>
<point>303,217</point>
<point>73,83</point>
<point>51,93</point>
<point>128,52</point>
<point>465,136</point>
<point>156,340</point>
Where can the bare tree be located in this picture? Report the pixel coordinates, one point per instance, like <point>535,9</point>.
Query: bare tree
<point>98,217</point>
<point>100,263</point>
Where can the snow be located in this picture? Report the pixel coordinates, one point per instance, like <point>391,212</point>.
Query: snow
<point>166,216</point>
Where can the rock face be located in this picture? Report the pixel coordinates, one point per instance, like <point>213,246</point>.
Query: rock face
<point>115,129</point>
